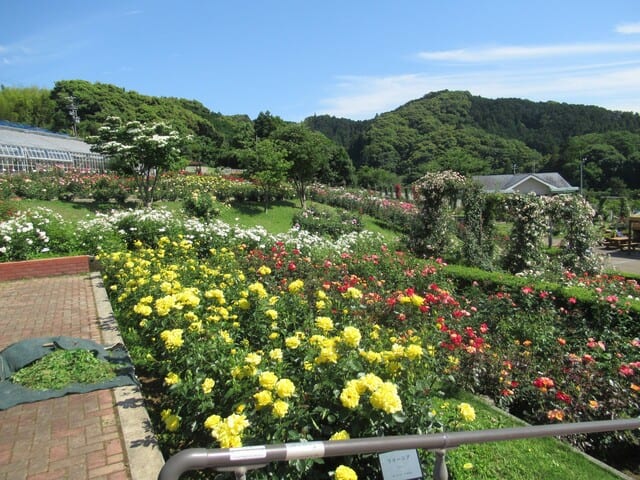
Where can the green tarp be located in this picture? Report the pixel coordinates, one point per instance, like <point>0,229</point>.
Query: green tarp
<point>25,352</point>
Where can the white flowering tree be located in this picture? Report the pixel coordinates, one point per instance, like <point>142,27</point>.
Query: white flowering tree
<point>142,150</point>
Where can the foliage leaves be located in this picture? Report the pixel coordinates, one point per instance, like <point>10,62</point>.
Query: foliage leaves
<point>451,130</point>
<point>446,130</point>
<point>64,367</point>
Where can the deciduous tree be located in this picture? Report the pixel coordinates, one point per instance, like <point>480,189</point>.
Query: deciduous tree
<point>307,151</point>
<point>145,151</point>
<point>268,167</point>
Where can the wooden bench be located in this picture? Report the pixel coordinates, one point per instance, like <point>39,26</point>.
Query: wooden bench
<point>616,242</point>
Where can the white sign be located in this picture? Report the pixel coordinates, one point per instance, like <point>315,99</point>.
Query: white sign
<point>401,465</point>
<point>248,453</point>
<point>297,451</point>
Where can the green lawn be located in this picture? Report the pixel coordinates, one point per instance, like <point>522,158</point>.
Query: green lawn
<point>278,219</point>
<point>70,211</point>
<point>544,458</point>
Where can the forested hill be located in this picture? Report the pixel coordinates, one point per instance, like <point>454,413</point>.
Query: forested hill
<point>442,130</point>
<point>215,137</point>
<point>546,126</point>
<point>475,135</point>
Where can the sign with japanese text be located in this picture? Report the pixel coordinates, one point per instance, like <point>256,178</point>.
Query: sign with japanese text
<point>401,465</point>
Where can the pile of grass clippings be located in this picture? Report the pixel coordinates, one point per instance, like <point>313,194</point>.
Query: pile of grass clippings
<point>62,368</point>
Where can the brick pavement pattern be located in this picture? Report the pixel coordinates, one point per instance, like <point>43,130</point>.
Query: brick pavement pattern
<point>73,437</point>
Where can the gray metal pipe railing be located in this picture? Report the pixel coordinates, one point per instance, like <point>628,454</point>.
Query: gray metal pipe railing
<point>245,458</point>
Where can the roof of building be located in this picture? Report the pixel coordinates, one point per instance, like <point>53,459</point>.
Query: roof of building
<point>11,134</point>
<point>509,183</point>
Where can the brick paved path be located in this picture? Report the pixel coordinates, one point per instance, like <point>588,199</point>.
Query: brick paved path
<point>72,437</point>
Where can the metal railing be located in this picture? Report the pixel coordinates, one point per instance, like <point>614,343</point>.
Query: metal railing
<point>240,460</point>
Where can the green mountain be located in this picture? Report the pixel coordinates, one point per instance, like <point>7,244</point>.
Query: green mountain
<point>215,137</point>
<point>474,135</point>
<point>442,130</point>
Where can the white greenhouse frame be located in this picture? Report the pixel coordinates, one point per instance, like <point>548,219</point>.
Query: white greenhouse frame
<point>17,158</point>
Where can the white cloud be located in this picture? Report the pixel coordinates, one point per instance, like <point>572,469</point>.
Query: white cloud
<point>515,52</point>
<point>628,28</point>
<point>613,86</point>
<point>363,97</point>
<point>588,73</point>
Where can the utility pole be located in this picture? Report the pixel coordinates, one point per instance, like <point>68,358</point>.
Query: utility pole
<point>582,160</point>
<point>73,112</point>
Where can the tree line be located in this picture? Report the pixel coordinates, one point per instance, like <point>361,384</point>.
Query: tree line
<point>479,136</point>
<point>446,130</point>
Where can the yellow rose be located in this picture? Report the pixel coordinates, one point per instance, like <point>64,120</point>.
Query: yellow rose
<point>386,398</point>
<point>285,388</point>
<point>296,286</point>
<point>280,408</point>
<point>212,421</point>
<point>341,435</point>
<point>171,421</point>
<point>268,380</point>
<point>345,473</point>
<point>350,398</point>
<point>292,342</point>
<point>351,336</point>
<point>467,412</point>
<point>264,270</point>
<point>171,379</point>
<point>263,398</point>
<point>324,323</point>
<point>276,355</point>
<point>413,352</point>
<point>207,385</point>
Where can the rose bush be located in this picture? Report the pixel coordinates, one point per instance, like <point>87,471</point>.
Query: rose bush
<point>255,348</point>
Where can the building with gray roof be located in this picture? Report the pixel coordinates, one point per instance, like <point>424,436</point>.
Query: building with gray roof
<point>538,183</point>
<point>25,149</point>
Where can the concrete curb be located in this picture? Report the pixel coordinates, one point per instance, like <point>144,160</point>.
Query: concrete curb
<point>145,458</point>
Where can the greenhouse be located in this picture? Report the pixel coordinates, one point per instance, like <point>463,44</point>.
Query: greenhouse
<point>26,149</point>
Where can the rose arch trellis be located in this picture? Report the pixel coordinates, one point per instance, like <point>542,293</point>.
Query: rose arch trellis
<point>437,233</point>
<point>436,194</point>
<point>577,217</point>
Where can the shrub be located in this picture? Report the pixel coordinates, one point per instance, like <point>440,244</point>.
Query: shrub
<point>201,205</point>
<point>27,234</point>
<point>6,189</point>
<point>144,227</point>
<point>37,186</point>
<point>98,234</point>
<point>107,188</point>
<point>7,209</point>
<point>327,221</point>
<point>394,214</point>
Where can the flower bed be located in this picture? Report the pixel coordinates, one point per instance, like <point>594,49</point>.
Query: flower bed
<point>264,340</point>
<point>269,345</point>
<point>222,314</point>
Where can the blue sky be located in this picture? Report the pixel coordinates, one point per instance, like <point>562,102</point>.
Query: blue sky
<point>348,58</point>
